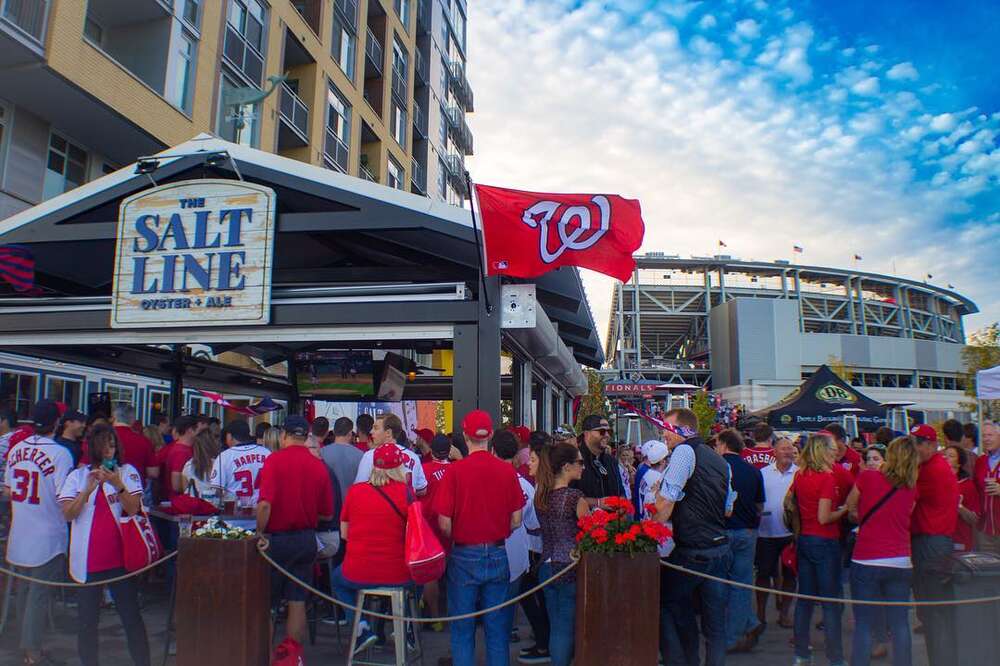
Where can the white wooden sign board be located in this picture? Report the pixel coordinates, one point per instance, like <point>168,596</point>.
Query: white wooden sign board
<point>194,253</point>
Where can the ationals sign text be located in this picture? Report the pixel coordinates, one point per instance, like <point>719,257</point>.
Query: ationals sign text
<point>194,253</point>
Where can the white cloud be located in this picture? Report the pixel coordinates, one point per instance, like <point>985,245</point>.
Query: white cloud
<point>943,122</point>
<point>707,22</point>
<point>748,29</point>
<point>720,149</point>
<point>904,71</point>
<point>867,86</point>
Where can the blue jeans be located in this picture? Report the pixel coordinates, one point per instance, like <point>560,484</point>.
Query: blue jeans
<point>478,577</point>
<point>560,604</point>
<point>346,590</point>
<point>740,618</point>
<point>819,574</point>
<point>513,589</point>
<point>677,618</point>
<point>874,583</point>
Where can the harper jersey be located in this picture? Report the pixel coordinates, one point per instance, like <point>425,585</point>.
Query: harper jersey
<point>414,468</point>
<point>35,471</point>
<point>237,469</point>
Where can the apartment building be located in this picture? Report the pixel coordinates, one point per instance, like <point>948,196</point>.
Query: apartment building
<point>372,88</point>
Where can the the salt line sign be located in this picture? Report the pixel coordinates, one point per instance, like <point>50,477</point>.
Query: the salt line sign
<point>194,253</point>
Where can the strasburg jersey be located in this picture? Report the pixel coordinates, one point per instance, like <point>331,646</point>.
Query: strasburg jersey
<point>237,469</point>
<point>35,471</point>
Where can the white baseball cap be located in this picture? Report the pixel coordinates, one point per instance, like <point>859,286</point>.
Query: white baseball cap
<point>655,451</point>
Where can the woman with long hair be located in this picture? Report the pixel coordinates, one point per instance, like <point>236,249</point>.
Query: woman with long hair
<point>970,508</point>
<point>272,439</point>
<point>374,520</point>
<point>874,457</point>
<point>198,470</point>
<point>152,433</point>
<point>882,502</point>
<point>93,499</point>
<point>559,507</point>
<point>814,489</point>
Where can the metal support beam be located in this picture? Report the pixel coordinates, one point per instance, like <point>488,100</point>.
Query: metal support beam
<point>848,289</point>
<point>177,383</point>
<point>636,321</point>
<point>477,361</point>
<point>798,295</point>
<point>861,307</point>
<point>294,400</point>
<point>560,409</point>
<point>620,316</point>
<point>545,407</point>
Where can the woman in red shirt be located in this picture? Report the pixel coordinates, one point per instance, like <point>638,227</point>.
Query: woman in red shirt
<point>820,508</point>
<point>970,509</point>
<point>373,522</point>
<point>93,498</point>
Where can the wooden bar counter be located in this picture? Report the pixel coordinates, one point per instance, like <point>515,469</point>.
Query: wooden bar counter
<point>223,603</point>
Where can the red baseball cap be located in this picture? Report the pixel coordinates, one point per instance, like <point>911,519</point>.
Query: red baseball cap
<point>388,456</point>
<point>924,431</point>
<point>425,434</point>
<point>477,424</point>
<point>522,433</point>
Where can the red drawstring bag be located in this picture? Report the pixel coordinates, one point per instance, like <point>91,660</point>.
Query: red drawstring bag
<point>141,546</point>
<point>790,558</point>
<point>288,653</point>
<point>187,505</point>
<point>424,554</point>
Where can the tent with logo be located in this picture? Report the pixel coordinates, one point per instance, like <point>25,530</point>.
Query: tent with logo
<point>816,401</point>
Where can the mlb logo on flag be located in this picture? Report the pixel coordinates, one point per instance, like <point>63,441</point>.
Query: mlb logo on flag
<point>501,265</point>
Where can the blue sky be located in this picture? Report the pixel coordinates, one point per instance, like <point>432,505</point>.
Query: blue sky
<point>842,126</point>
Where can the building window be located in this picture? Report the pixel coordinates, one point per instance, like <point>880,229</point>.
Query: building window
<point>395,174</point>
<point>239,124</point>
<point>403,12</point>
<point>66,168</point>
<point>159,405</point>
<point>244,46</point>
<point>181,87</point>
<point>443,128</point>
<point>18,392</point>
<point>120,395</point>
<point>442,181</point>
<point>63,390</point>
<point>399,126</point>
<point>93,31</point>
<point>458,19</point>
<point>344,45</point>
<point>192,12</point>
<point>338,129</point>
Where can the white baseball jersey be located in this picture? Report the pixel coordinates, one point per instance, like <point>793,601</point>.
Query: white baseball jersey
<point>413,466</point>
<point>237,469</point>
<point>35,471</point>
<point>517,544</point>
<point>649,479</point>
<point>83,534</point>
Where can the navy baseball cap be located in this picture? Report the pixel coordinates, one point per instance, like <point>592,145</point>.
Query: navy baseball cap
<point>74,415</point>
<point>296,426</point>
<point>44,414</point>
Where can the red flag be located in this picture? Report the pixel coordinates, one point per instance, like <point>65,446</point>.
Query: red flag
<point>528,234</point>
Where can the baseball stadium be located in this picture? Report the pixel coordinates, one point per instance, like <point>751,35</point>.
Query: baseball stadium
<point>751,331</point>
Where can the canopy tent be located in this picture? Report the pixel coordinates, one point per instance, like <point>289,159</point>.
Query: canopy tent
<point>988,384</point>
<point>816,401</point>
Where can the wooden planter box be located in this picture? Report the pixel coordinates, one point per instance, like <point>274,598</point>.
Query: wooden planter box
<point>617,610</point>
<point>223,602</point>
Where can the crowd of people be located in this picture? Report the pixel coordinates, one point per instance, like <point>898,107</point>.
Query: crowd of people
<point>800,515</point>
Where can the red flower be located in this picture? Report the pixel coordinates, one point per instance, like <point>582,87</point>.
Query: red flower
<point>650,509</point>
<point>620,539</point>
<point>600,535</point>
<point>580,536</point>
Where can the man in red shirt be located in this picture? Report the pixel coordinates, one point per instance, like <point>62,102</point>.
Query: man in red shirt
<point>761,454</point>
<point>932,525</point>
<point>847,457</point>
<point>478,503</point>
<point>364,424</point>
<point>180,452</point>
<point>135,450</point>
<point>296,494</point>
<point>987,479</point>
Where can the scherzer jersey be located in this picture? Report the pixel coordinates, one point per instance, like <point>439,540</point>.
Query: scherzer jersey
<point>414,469</point>
<point>518,543</point>
<point>650,479</point>
<point>35,471</point>
<point>237,469</point>
<point>84,535</point>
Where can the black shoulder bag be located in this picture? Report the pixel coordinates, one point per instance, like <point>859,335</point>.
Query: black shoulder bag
<point>852,538</point>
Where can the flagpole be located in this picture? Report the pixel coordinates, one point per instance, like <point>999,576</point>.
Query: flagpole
<point>479,244</point>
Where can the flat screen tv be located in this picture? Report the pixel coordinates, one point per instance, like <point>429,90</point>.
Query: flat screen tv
<point>392,379</point>
<point>335,374</point>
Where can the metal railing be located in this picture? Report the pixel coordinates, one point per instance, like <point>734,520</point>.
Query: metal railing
<point>374,53</point>
<point>294,111</point>
<point>420,68</point>
<point>459,84</point>
<point>366,173</point>
<point>336,151</point>
<point>418,177</point>
<point>399,86</point>
<point>349,10</point>
<point>456,166</point>
<point>419,119</point>
<point>28,17</point>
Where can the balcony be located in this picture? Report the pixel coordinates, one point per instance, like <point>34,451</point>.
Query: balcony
<point>423,17</point>
<point>366,173</point>
<point>374,56</point>
<point>418,178</point>
<point>459,84</point>
<point>27,19</point>
<point>459,129</point>
<point>419,120</point>
<point>456,166</point>
<point>349,10</point>
<point>335,151</point>
<point>399,86</point>
<point>294,114</point>
<point>242,56</point>
<point>421,69</point>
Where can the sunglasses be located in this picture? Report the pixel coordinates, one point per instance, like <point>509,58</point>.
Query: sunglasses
<point>603,431</point>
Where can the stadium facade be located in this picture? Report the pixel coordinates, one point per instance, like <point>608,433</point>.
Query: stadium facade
<point>752,331</point>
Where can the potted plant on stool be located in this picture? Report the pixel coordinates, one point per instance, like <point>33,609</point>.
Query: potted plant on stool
<point>618,587</point>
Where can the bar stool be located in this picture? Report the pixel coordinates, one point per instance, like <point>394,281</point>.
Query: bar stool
<point>403,602</point>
